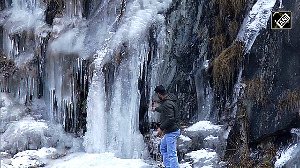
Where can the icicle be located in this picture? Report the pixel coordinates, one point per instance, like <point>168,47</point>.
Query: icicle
<point>280,4</point>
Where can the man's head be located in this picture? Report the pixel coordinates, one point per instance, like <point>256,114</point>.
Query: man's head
<point>161,91</point>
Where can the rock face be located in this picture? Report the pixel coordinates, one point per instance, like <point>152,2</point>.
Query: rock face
<point>271,68</point>
<point>275,61</point>
<point>188,24</point>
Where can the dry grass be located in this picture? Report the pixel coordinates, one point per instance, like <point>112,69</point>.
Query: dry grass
<point>238,7</point>
<point>238,155</point>
<point>233,29</point>
<point>225,8</point>
<point>218,44</point>
<point>226,65</point>
<point>289,101</point>
<point>255,90</point>
<point>231,8</point>
<point>219,24</point>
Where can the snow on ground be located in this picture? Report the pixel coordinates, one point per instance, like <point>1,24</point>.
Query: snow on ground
<point>43,158</point>
<point>185,165</point>
<point>203,125</point>
<point>103,160</point>
<point>285,156</point>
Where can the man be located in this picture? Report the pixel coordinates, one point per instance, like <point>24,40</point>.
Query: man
<point>169,126</point>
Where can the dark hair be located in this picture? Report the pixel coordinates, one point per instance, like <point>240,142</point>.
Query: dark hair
<point>161,90</point>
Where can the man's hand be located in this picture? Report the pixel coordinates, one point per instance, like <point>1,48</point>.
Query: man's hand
<point>159,132</point>
<point>153,106</point>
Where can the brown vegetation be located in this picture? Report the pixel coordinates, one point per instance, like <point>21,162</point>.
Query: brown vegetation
<point>238,149</point>
<point>224,7</point>
<point>219,24</point>
<point>218,44</point>
<point>226,65</point>
<point>289,101</point>
<point>238,6</point>
<point>233,29</point>
<point>7,66</point>
<point>255,90</point>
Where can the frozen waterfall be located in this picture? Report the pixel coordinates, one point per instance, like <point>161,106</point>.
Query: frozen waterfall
<point>112,115</point>
<point>112,38</point>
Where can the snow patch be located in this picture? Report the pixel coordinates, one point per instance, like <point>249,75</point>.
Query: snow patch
<point>185,165</point>
<point>202,126</point>
<point>202,154</point>
<point>30,158</point>
<point>184,138</point>
<point>103,160</point>
<point>210,137</point>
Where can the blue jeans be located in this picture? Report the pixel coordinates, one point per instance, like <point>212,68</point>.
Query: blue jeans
<point>168,149</point>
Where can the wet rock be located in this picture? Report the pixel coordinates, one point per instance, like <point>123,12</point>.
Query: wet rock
<point>184,144</point>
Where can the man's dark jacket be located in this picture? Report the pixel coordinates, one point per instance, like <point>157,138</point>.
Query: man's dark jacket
<point>169,114</point>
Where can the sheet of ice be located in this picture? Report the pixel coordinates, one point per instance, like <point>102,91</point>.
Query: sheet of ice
<point>203,125</point>
<point>25,17</point>
<point>103,160</point>
<point>285,156</point>
<point>23,58</point>
<point>202,154</point>
<point>72,41</point>
<point>139,17</point>
<point>256,20</point>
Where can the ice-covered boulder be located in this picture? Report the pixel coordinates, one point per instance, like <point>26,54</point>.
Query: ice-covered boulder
<point>31,134</point>
<point>203,158</point>
<point>203,134</point>
<point>31,158</point>
<point>205,128</point>
<point>5,99</point>
<point>9,111</point>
